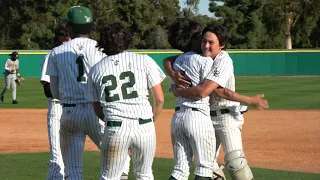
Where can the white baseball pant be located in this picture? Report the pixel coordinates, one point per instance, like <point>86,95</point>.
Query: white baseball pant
<point>77,121</point>
<point>139,137</point>
<point>10,81</point>
<point>56,166</point>
<point>192,133</point>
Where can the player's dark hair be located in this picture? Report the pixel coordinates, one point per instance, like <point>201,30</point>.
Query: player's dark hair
<point>182,32</point>
<point>114,39</point>
<point>81,29</point>
<point>221,33</point>
<point>61,34</point>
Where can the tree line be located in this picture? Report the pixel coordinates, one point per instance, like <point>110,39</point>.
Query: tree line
<point>252,24</point>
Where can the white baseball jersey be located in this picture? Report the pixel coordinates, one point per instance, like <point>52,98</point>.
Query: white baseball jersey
<point>192,132</point>
<point>10,77</point>
<point>71,62</point>
<point>227,126</point>
<point>222,72</point>
<point>196,67</point>
<point>11,65</point>
<point>43,66</point>
<point>122,82</point>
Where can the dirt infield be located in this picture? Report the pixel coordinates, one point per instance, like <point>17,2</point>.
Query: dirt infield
<point>286,140</point>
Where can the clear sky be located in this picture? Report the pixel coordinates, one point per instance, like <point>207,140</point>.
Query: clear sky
<point>203,7</point>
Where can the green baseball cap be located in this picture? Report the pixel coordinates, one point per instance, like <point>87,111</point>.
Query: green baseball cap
<point>79,15</point>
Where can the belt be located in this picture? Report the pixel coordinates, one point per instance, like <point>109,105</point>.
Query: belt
<point>119,123</point>
<point>222,111</point>
<point>54,101</point>
<point>178,108</point>
<point>68,105</point>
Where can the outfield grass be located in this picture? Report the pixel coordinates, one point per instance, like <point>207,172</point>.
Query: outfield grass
<point>282,92</point>
<point>34,167</point>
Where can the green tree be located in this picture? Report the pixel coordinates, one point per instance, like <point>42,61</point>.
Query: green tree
<point>10,23</point>
<point>292,19</point>
<point>314,36</point>
<point>146,19</point>
<point>243,18</point>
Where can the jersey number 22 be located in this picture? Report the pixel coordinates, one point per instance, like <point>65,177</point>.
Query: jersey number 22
<point>124,86</point>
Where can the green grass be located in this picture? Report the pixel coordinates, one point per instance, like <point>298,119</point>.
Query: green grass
<point>34,167</point>
<point>282,92</point>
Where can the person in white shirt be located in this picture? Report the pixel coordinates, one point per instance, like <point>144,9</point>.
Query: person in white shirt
<point>118,87</point>
<point>68,68</point>
<point>10,75</point>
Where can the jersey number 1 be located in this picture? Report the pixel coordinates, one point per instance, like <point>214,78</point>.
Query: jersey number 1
<point>79,61</point>
<point>124,86</point>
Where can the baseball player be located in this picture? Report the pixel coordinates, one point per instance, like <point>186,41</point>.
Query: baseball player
<point>56,166</point>
<point>226,115</point>
<point>68,67</point>
<point>10,75</point>
<point>192,132</point>
<point>119,87</point>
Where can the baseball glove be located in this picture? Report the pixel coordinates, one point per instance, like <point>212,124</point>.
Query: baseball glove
<point>19,80</point>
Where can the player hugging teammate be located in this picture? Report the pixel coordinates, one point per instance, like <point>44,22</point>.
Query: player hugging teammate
<point>186,71</point>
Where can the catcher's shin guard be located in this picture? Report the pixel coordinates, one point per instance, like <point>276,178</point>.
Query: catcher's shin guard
<point>237,165</point>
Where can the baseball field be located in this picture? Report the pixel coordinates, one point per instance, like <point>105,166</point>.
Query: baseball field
<point>282,143</point>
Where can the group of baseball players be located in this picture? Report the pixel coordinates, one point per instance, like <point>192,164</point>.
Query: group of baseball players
<point>99,89</point>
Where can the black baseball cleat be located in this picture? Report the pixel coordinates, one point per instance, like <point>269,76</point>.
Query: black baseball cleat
<point>2,98</point>
<point>15,102</point>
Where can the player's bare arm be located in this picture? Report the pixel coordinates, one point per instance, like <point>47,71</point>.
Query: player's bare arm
<point>199,91</point>
<point>98,110</point>
<point>167,64</point>
<point>179,79</point>
<point>54,86</point>
<point>256,101</point>
<point>158,100</point>
<point>203,90</point>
